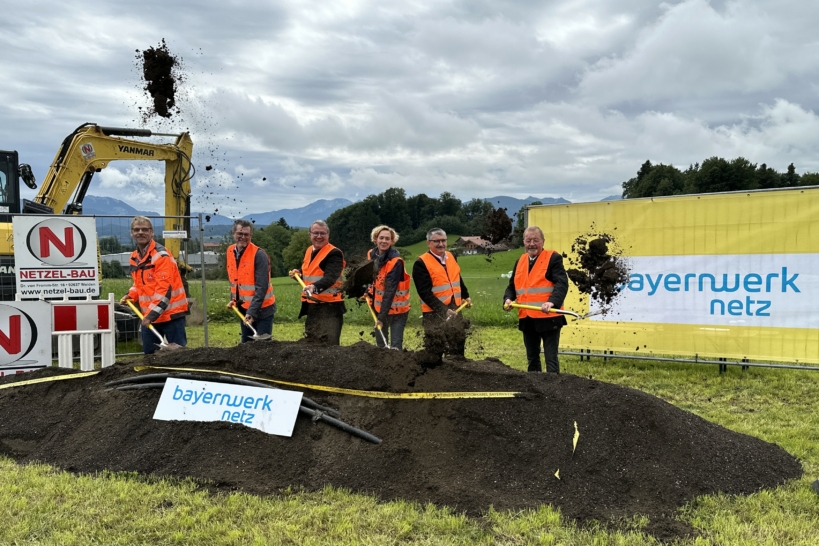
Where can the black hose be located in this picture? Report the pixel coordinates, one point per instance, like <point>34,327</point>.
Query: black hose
<point>141,386</point>
<point>304,400</point>
<point>137,379</point>
<point>320,416</point>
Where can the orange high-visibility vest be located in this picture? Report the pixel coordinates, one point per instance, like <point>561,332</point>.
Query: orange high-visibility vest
<point>532,287</point>
<point>401,301</point>
<point>446,282</point>
<point>312,272</point>
<point>243,278</point>
<point>157,284</point>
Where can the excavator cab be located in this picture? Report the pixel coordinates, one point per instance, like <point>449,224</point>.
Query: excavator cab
<point>9,190</point>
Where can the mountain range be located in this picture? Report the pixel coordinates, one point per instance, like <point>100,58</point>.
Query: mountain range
<point>216,225</point>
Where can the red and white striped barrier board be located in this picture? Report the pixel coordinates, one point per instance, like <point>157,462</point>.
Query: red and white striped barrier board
<point>80,317</point>
<point>85,318</point>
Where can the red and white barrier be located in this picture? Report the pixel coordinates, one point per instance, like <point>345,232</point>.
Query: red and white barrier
<point>84,318</point>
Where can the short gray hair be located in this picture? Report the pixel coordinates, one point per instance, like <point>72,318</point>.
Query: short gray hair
<point>141,220</point>
<point>242,223</point>
<point>321,223</point>
<point>535,228</point>
<point>435,231</point>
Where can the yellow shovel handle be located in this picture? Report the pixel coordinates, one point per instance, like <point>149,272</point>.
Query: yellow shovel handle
<point>553,310</point>
<point>463,306</point>
<point>298,278</point>
<point>239,314</point>
<point>150,326</point>
<point>372,311</point>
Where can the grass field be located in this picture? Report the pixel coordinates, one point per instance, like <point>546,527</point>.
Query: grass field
<point>42,505</point>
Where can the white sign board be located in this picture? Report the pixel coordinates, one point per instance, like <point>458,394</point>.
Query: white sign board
<point>175,234</point>
<point>25,336</point>
<point>272,411</point>
<point>773,290</point>
<point>55,257</point>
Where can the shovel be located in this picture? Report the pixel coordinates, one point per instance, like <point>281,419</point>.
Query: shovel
<point>163,343</point>
<point>460,308</point>
<point>255,336</point>
<point>558,311</point>
<point>375,319</point>
<point>301,282</point>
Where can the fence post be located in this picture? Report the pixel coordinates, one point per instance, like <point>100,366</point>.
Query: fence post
<point>204,284</point>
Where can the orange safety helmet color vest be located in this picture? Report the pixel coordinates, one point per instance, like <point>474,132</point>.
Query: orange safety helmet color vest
<point>532,287</point>
<point>157,284</point>
<point>446,281</point>
<point>401,301</point>
<point>243,278</point>
<point>312,272</point>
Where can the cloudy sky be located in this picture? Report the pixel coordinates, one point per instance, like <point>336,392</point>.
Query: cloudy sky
<point>290,102</point>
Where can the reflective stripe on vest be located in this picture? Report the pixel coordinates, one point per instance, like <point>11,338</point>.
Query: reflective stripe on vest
<point>243,278</point>
<point>312,273</point>
<point>446,281</point>
<point>532,287</point>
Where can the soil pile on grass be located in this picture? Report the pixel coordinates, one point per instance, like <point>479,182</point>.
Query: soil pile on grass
<point>161,78</point>
<point>601,273</point>
<point>636,454</point>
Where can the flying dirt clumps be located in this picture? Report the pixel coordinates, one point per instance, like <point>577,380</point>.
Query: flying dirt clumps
<point>161,79</point>
<point>601,273</point>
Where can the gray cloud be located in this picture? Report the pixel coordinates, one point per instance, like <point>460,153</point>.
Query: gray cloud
<point>560,98</point>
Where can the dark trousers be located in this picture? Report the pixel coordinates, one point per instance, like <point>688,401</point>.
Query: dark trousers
<point>550,340</point>
<point>393,330</point>
<point>323,323</point>
<point>173,330</point>
<point>262,326</point>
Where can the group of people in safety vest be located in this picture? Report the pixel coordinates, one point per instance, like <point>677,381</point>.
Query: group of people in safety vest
<point>538,279</point>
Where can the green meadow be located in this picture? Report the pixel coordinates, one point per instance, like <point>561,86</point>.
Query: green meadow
<point>44,505</point>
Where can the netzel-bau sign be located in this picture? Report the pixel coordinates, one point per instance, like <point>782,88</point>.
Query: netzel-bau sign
<point>55,257</point>
<point>24,346</point>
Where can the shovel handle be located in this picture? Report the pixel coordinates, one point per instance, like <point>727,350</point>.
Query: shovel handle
<point>461,307</point>
<point>150,326</point>
<point>244,319</point>
<point>553,310</point>
<point>372,311</point>
<point>303,286</point>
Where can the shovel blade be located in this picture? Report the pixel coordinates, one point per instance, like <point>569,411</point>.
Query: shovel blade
<point>261,337</point>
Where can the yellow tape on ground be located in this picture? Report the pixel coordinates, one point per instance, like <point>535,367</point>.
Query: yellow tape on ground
<point>47,379</point>
<point>354,392</point>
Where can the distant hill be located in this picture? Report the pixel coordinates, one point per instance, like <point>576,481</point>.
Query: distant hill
<point>303,216</point>
<point>216,225</point>
<point>612,198</point>
<point>513,204</point>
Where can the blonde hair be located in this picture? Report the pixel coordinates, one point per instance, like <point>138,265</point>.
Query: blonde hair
<point>379,229</point>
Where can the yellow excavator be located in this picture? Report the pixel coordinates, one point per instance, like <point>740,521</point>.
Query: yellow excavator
<point>86,151</point>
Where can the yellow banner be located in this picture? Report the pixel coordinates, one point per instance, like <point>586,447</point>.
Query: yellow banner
<point>732,275</point>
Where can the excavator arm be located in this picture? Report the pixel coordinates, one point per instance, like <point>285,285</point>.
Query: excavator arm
<point>90,148</point>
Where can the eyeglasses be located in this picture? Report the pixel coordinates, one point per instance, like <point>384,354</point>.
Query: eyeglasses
<point>319,233</point>
<point>438,241</point>
<point>240,234</point>
<point>531,241</point>
<point>141,229</point>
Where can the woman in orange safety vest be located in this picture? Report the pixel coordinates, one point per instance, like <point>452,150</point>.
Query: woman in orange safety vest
<point>391,288</point>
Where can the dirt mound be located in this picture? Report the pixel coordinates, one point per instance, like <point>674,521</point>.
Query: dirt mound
<point>636,454</point>
<point>601,272</point>
<point>161,78</point>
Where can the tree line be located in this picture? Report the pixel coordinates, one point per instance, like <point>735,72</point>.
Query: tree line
<point>715,174</point>
<point>412,217</point>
